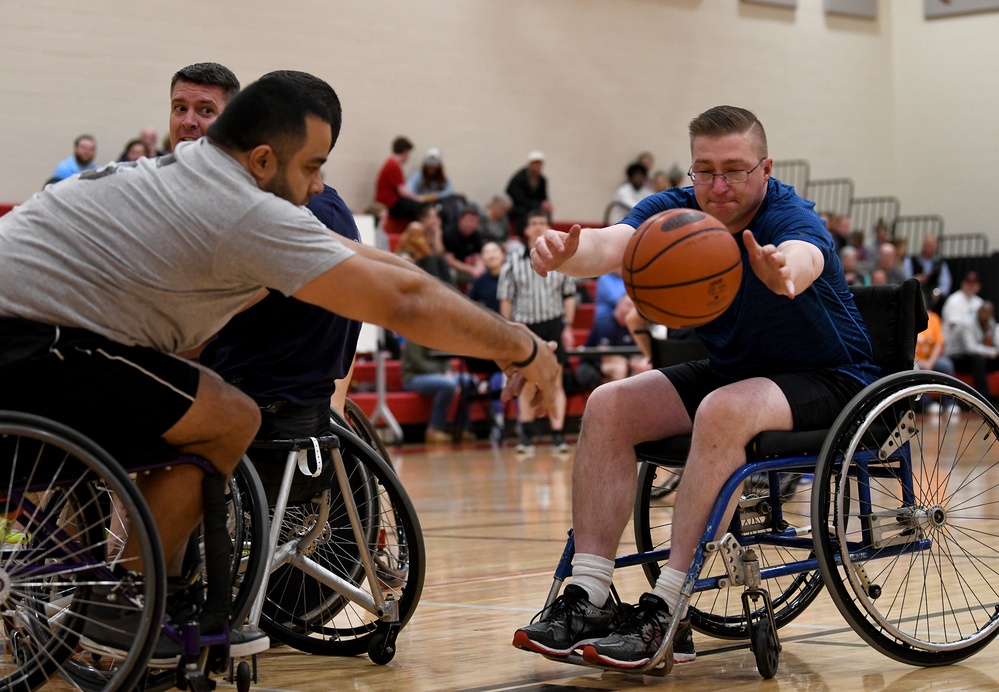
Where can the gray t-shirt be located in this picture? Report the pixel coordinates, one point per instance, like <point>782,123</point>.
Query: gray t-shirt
<point>160,253</point>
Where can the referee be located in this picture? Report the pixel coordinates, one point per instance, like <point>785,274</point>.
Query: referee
<point>547,307</point>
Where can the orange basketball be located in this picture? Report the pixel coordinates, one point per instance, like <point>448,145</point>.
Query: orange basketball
<point>682,268</point>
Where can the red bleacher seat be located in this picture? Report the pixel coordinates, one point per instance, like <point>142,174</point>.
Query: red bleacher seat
<point>4,208</point>
<point>584,315</point>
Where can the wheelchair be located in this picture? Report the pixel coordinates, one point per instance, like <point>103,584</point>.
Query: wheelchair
<point>345,570</point>
<point>892,509</point>
<point>68,509</point>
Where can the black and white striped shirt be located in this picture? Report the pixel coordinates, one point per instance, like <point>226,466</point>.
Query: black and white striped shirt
<point>534,299</point>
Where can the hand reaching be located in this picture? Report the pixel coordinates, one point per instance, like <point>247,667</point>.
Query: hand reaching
<point>553,248</point>
<point>770,265</point>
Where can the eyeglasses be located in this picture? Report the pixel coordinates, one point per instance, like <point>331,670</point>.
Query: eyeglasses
<point>730,177</point>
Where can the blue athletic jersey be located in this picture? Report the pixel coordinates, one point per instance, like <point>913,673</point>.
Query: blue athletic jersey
<point>284,349</point>
<point>762,332</point>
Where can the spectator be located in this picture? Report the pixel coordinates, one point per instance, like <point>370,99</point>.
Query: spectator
<point>133,151</point>
<point>430,182</point>
<point>886,262</point>
<point>421,244</point>
<point>617,333</point>
<point>879,237</point>
<point>856,241</point>
<point>84,151</point>
<point>497,223</point>
<point>974,348</point>
<point>632,192</point>
<point>378,211</point>
<point>390,187</point>
<point>463,244</point>
<point>431,376</point>
<point>646,159</point>
<point>528,191</point>
<point>932,272</point>
<point>148,137</point>
<point>610,290</point>
<point>961,306</point>
<point>840,227</point>
<point>547,306</point>
<point>848,257</point>
<point>930,348</point>
<point>660,181</point>
<point>676,177</point>
<point>483,291</point>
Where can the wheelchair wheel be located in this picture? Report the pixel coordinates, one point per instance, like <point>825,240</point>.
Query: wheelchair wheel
<point>249,530</point>
<point>906,530</point>
<point>354,418</point>
<point>312,617</point>
<point>719,612</point>
<point>60,557</point>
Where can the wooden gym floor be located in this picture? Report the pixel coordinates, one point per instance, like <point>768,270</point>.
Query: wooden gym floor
<point>494,526</point>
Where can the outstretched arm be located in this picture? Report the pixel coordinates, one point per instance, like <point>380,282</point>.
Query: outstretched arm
<point>377,287</point>
<point>787,269</point>
<point>581,253</point>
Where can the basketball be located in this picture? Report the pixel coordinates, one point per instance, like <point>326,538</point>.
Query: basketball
<point>682,268</point>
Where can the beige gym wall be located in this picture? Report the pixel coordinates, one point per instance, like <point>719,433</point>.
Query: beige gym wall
<point>896,103</point>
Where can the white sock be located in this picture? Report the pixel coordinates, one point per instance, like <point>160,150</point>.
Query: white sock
<point>668,587</point>
<point>593,574</point>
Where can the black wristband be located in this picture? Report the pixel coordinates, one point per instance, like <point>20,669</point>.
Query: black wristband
<point>530,358</point>
<point>642,331</point>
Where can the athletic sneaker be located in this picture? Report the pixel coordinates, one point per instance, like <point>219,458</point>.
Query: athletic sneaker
<point>683,642</point>
<point>525,444</point>
<point>570,622</point>
<point>559,445</point>
<point>634,643</point>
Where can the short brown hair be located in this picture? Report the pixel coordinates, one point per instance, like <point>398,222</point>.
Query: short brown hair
<point>728,120</point>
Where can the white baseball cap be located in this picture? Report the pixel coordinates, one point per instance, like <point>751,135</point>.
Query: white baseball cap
<point>535,156</point>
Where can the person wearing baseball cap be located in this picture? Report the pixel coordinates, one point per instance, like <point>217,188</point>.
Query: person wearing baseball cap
<point>528,190</point>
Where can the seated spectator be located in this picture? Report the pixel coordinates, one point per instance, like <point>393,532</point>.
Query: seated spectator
<point>483,291</point>
<point>380,213</point>
<point>462,245</point>
<point>848,257</point>
<point>390,187</point>
<point>148,137</point>
<point>961,306</point>
<point>856,241</point>
<point>432,377</point>
<point>84,151</point>
<point>496,225</point>
<point>974,348</point>
<point>930,354</point>
<point>610,290</point>
<point>659,181</point>
<point>630,193</point>
<point>617,334</point>
<point>932,272</point>
<point>646,159</point>
<point>839,228</point>
<point>886,262</point>
<point>879,237</point>
<point>421,244</point>
<point>676,176</point>
<point>528,191</point>
<point>133,151</point>
<point>430,182</point>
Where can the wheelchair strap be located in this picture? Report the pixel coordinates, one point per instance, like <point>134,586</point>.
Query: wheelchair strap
<point>303,460</point>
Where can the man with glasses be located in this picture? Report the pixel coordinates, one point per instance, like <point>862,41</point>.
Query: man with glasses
<point>788,354</point>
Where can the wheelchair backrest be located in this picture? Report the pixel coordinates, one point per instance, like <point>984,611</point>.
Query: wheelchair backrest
<point>894,315</point>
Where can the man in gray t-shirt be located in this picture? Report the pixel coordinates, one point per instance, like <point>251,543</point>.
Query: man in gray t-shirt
<point>105,275</point>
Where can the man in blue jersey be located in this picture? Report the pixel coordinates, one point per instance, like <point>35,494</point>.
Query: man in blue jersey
<point>788,354</point>
<point>287,354</point>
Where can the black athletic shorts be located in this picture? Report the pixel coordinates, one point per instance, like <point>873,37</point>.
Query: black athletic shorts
<point>551,330</point>
<point>289,422</point>
<point>816,396</point>
<point>122,397</point>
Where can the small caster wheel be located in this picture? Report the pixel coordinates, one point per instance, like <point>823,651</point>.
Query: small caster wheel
<point>766,648</point>
<point>243,677</point>
<point>380,651</point>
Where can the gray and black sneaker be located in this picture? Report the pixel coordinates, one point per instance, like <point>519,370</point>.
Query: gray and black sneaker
<point>683,642</point>
<point>567,624</point>
<point>634,643</point>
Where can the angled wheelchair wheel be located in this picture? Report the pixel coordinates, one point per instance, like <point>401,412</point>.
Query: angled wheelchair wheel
<point>309,615</point>
<point>719,612</point>
<point>61,557</point>
<point>249,531</point>
<point>354,418</point>
<point>906,524</point>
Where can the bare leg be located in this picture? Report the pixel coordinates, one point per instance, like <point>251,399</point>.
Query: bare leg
<point>618,416</point>
<point>725,422</point>
<point>218,427</point>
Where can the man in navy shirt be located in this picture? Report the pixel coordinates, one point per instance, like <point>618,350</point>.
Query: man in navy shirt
<point>788,354</point>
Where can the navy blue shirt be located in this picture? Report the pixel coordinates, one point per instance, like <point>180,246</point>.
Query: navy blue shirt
<point>762,332</point>
<point>282,349</point>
